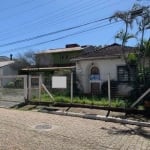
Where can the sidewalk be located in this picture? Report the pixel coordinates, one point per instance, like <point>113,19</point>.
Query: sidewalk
<point>96,114</point>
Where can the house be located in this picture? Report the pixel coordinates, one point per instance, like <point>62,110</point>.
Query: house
<point>7,68</point>
<point>55,59</point>
<point>93,68</point>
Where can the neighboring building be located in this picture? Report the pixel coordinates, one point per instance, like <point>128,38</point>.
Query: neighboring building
<point>7,68</point>
<point>92,68</point>
<point>4,58</point>
<point>56,59</point>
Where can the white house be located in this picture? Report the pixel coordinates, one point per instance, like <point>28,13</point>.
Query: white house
<point>93,67</point>
<point>7,68</point>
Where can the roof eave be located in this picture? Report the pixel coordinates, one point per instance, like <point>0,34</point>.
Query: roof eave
<point>47,68</point>
<point>99,57</point>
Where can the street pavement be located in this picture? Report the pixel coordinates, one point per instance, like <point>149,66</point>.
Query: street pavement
<point>26,130</point>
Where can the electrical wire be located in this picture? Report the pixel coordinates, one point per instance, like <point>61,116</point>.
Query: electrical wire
<point>55,14</point>
<point>59,38</point>
<point>54,32</point>
<point>51,33</point>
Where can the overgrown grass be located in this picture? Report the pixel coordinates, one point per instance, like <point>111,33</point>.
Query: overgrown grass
<point>84,100</point>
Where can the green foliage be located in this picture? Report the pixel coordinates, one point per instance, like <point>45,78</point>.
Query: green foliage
<point>132,58</point>
<point>84,100</point>
<point>122,36</point>
<point>146,45</point>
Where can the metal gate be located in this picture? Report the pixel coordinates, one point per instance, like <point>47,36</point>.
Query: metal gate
<point>13,89</point>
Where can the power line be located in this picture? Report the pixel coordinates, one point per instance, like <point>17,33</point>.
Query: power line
<point>58,31</point>
<point>65,36</point>
<point>17,5</point>
<point>30,9</point>
<point>59,13</point>
<point>62,37</point>
<point>51,33</point>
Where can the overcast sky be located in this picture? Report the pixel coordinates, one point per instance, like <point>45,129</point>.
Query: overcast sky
<point>30,18</point>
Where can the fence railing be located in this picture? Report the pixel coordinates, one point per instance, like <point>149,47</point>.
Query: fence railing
<point>68,88</point>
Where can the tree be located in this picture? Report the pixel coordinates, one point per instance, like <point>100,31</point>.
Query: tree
<point>146,49</point>
<point>143,22</point>
<point>123,35</point>
<point>25,60</point>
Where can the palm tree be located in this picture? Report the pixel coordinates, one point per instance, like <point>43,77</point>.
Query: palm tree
<point>124,38</point>
<point>123,35</point>
<point>146,49</point>
<point>143,22</point>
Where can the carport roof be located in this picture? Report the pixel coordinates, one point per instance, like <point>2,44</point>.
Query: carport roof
<point>47,68</point>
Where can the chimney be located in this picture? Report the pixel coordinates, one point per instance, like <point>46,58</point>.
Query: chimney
<point>11,56</point>
<point>72,45</point>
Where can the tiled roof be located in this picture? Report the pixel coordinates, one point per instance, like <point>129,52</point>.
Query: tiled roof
<point>107,51</point>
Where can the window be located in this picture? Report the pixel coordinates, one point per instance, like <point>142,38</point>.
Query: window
<point>126,75</point>
<point>95,74</point>
<point>94,70</point>
<point>123,74</point>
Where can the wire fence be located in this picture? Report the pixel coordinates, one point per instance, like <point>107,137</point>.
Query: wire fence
<point>84,89</point>
<point>71,88</point>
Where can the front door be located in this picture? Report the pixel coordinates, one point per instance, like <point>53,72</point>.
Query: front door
<point>94,80</point>
<point>95,88</point>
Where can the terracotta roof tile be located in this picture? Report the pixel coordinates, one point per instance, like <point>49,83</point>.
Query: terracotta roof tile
<point>111,50</point>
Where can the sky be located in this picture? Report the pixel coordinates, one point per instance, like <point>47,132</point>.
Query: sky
<point>23,20</point>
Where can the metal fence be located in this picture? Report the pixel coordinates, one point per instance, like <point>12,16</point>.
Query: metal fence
<point>69,87</point>
<point>44,88</point>
<point>13,88</point>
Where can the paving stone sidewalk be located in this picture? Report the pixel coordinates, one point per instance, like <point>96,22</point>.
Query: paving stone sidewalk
<point>89,111</point>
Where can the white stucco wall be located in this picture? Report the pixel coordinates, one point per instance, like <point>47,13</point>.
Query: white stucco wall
<point>106,66</point>
<point>7,70</point>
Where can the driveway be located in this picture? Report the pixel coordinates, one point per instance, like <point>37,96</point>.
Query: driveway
<point>11,97</point>
<point>26,130</point>
<point>8,101</point>
<point>8,104</point>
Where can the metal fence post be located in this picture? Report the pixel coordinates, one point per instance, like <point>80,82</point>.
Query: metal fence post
<point>29,87</point>
<point>40,84</point>
<point>109,91</point>
<point>25,89</point>
<point>71,88</point>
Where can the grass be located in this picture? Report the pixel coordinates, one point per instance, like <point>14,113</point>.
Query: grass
<point>84,100</point>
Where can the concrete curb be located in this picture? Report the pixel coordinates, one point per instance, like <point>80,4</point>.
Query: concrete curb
<point>99,117</point>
